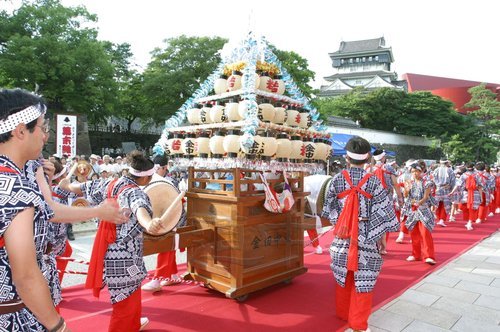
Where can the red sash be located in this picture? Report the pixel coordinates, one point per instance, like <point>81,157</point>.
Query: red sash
<point>347,223</point>
<point>380,174</point>
<point>470,185</point>
<point>106,234</point>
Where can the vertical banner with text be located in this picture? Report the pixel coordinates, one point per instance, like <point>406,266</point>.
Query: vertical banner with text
<point>66,135</point>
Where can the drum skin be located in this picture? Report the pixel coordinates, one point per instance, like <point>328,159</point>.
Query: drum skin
<point>162,194</point>
<point>80,202</point>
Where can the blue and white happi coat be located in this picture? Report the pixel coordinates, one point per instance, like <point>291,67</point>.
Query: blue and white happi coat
<point>444,179</point>
<point>17,193</point>
<point>124,268</point>
<point>59,230</point>
<point>461,184</point>
<point>378,217</point>
<point>423,213</point>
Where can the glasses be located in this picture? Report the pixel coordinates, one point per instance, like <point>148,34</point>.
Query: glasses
<point>45,127</point>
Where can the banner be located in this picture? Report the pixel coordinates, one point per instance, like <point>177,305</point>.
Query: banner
<point>66,132</point>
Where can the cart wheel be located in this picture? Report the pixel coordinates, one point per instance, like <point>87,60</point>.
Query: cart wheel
<point>287,281</point>
<point>242,298</point>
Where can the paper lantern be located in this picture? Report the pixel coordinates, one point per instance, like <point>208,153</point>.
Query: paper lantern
<point>231,111</point>
<point>234,81</point>
<point>320,153</point>
<point>175,145</point>
<point>205,114</point>
<point>297,153</point>
<point>243,108</point>
<point>252,151</point>
<point>309,149</point>
<point>280,84</point>
<point>266,111</point>
<point>292,117</point>
<point>305,118</point>
<point>216,144</point>
<point>166,148</point>
<point>279,114</point>
<point>266,82</point>
<point>231,143</point>
<point>220,84</point>
<point>193,114</point>
<point>203,144</point>
<point>284,149</point>
<point>269,146</point>
<point>189,145</point>
<point>217,114</point>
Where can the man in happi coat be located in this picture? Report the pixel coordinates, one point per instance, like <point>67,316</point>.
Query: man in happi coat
<point>360,210</point>
<point>444,179</point>
<point>469,184</point>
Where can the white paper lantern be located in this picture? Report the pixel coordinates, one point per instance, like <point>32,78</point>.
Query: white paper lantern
<point>175,145</point>
<point>250,152</point>
<point>305,118</point>
<point>217,114</point>
<point>189,145</point>
<point>205,114</point>
<point>231,143</point>
<point>216,144</point>
<point>280,84</point>
<point>292,117</point>
<point>203,145</point>
<point>234,81</point>
<point>309,149</point>
<point>265,82</point>
<point>279,114</point>
<point>297,153</point>
<point>266,111</point>
<point>243,108</point>
<point>193,114</point>
<point>231,111</point>
<point>269,146</point>
<point>284,149</point>
<point>220,84</point>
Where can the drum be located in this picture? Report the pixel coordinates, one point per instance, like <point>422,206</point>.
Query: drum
<point>80,202</point>
<point>162,194</point>
<point>317,186</point>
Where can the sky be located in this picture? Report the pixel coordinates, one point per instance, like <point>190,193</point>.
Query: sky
<point>447,38</point>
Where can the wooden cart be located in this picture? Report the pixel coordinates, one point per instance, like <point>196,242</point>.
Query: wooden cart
<point>235,245</point>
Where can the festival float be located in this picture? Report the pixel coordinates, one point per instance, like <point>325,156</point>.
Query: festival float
<point>247,137</point>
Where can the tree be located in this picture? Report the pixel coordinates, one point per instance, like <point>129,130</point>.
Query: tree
<point>419,113</point>
<point>297,67</point>
<point>177,70</point>
<point>44,44</point>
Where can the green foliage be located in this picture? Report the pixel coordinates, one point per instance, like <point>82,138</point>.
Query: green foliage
<point>297,67</point>
<point>419,113</point>
<point>177,70</point>
<point>46,45</point>
<point>487,108</point>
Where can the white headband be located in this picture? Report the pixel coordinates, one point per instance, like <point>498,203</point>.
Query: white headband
<point>58,175</point>
<point>140,174</point>
<point>379,156</point>
<point>24,116</point>
<point>357,156</point>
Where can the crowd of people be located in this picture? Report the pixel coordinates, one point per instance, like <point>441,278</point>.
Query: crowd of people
<point>371,198</point>
<point>364,202</point>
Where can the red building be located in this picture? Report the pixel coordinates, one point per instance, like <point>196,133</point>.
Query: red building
<point>454,90</point>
